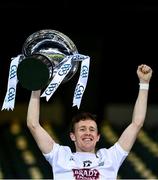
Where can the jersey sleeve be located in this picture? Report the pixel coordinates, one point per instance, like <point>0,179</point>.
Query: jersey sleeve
<point>113,157</point>
<point>58,154</point>
<point>117,155</point>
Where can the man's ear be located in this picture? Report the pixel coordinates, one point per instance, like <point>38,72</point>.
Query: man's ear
<point>72,136</point>
<point>98,137</point>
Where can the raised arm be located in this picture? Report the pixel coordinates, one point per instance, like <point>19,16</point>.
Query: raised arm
<point>42,138</point>
<point>129,135</point>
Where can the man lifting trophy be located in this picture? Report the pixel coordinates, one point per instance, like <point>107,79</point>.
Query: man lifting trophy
<point>48,59</point>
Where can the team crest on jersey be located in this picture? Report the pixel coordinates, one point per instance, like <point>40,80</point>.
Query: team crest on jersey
<point>87,174</point>
<point>87,163</point>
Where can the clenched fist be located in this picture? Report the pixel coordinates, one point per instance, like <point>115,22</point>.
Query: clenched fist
<point>144,73</point>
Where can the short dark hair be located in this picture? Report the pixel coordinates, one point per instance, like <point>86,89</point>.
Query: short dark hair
<point>81,116</point>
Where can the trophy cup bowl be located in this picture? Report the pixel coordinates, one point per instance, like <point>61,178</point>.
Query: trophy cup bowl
<point>43,54</point>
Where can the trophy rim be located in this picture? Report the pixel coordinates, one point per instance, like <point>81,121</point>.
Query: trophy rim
<point>54,36</point>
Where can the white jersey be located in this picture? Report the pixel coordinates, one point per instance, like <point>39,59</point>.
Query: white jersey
<point>85,166</point>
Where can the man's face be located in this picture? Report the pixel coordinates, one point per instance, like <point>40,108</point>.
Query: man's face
<point>85,135</point>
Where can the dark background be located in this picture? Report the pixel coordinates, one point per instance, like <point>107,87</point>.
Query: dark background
<point>118,36</point>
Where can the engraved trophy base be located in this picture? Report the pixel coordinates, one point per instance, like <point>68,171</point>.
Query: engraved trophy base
<point>33,72</point>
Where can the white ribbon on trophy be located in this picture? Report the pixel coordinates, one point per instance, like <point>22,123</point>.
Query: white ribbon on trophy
<point>9,100</point>
<point>82,82</point>
<point>58,78</point>
<point>63,71</point>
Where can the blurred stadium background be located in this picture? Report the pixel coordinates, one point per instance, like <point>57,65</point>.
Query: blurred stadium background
<point>118,36</point>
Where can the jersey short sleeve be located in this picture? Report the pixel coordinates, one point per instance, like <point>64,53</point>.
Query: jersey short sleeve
<point>117,155</point>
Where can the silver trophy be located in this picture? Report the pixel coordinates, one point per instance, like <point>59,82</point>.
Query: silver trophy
<point>48,58</point>
<point>43,53</point>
